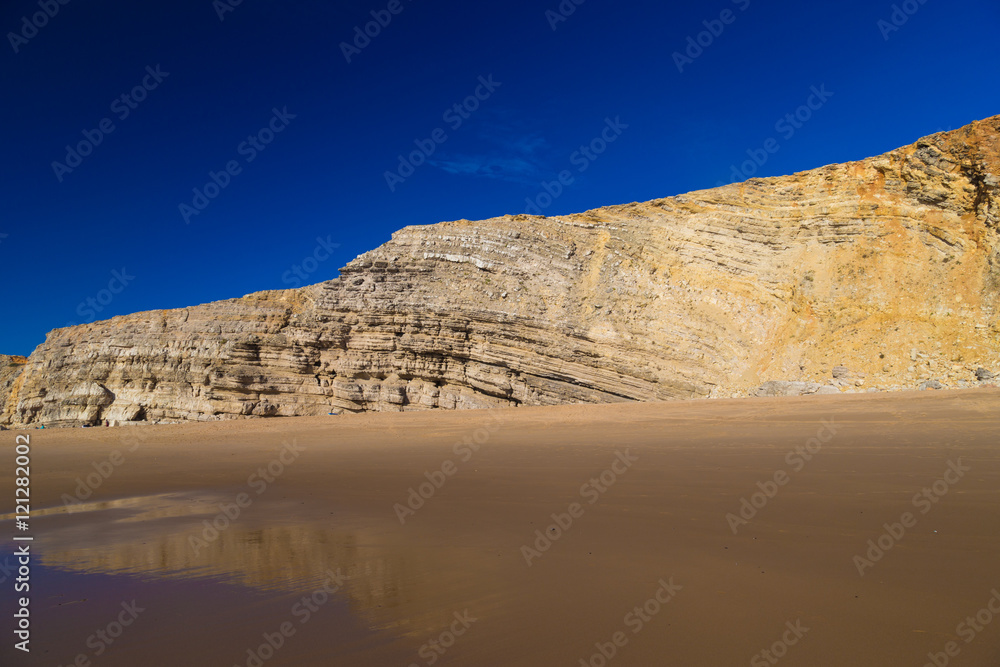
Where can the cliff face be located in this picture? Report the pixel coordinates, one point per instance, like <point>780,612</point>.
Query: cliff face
<point>10,378</point>
<point>889,266</point>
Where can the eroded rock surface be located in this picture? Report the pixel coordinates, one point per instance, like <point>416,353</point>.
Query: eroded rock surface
<point>888,266</point>
<point>10,374</point>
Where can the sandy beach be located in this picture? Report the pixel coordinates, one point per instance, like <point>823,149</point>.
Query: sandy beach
<point>822,530</point>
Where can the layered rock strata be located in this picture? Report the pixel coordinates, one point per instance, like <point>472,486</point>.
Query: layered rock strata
<point>888,267</point>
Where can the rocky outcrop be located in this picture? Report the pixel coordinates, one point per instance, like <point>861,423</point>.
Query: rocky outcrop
<point>10,380</point>
<point>888,266</point>
<point>781,388</point>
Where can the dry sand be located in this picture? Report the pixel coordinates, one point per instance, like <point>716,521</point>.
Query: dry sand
<point>660,517</point>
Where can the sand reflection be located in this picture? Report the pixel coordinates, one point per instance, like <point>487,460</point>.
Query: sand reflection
<point>167,537</point>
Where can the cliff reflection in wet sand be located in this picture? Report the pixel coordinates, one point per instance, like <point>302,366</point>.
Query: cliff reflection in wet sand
<point>172,536</point>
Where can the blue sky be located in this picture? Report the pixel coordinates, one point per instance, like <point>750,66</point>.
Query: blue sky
<point>278,138</point>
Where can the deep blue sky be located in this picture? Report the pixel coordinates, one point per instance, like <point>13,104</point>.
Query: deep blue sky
<point>323,175</point>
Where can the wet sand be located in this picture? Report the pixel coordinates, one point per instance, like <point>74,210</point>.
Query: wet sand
<point>647,558</point>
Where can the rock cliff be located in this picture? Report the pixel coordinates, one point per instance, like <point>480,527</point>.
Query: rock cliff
<point>10,375</point>
<point>886,269</point>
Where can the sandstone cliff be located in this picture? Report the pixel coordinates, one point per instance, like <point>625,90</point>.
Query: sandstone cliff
<point>887,269</point>
<point>10,374</point>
